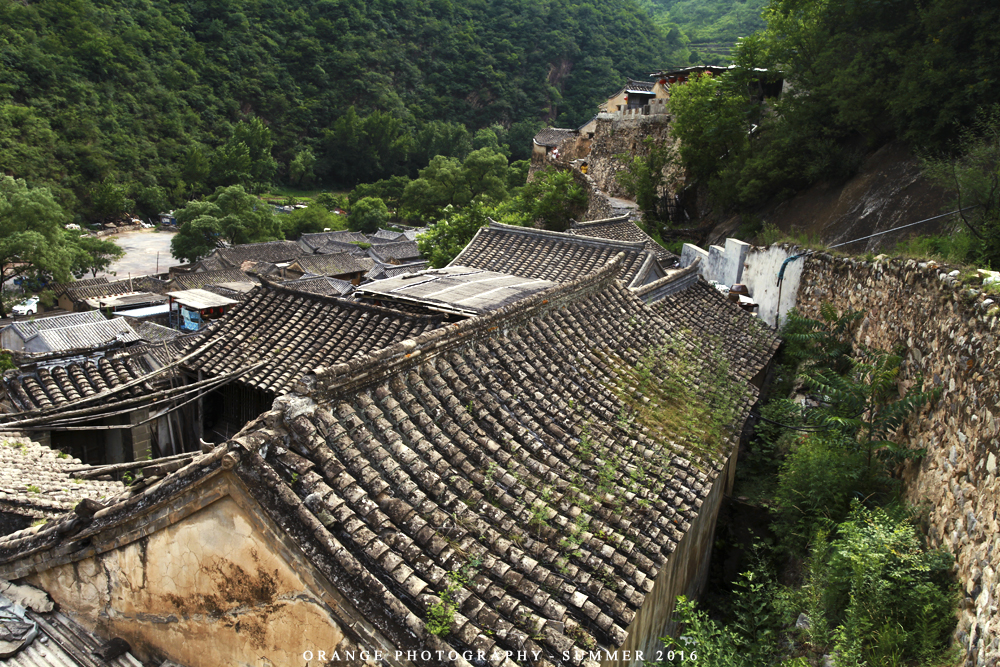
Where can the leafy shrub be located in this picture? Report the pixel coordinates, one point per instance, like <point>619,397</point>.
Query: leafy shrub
<point>817,481</point>
<point>891,599</point>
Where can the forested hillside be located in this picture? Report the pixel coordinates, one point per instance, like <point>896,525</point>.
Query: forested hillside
<point>711,26</point>
<point>143,99</point>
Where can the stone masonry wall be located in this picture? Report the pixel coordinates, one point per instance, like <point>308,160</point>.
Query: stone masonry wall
<point>949,331</point>
<point>627,136</point>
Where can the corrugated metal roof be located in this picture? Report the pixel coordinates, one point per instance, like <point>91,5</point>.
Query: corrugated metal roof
<point>456,289</point>
<point>93,334</point>
<point>199,299</point>
<point>30,328</point>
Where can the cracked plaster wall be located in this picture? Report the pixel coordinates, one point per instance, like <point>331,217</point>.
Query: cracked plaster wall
<point>206,591</point>
<point>948,332</point>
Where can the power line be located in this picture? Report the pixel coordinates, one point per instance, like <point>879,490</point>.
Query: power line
<point>896,229</point>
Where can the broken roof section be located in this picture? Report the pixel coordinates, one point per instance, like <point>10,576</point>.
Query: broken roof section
<point>555,256</point>
<point>35,481</point>
<point>455,290</point>
<point>622,228</point>
<point>312,243</point>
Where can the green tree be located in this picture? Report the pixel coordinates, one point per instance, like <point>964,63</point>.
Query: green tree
<point>300,170</point>
<point>95,254</point>
<point>643,176</point>
<point>310,220</point>
<point>444,239</point>
<point>368,215</point>
<point>230,215</point>
<point>553,198</point>
<point>31,234</point>
<point>974,176</point>
<point>109,201</point>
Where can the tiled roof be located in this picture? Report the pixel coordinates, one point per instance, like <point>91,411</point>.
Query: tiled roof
<point>331,247</point>
<point>553,136</point>
<point>296,331</point>
<point>57,385</point>
<point>78,292</point>
<point>318,240</point>
<point>623,229</point>
<point>60,288</point>
<point>720,324</point>
<point>35,482</point>
<point>534,253</point>
<point>632,85</point>
<point>495,447</point>
<point>381,271</point>
<point>320,285</point>
<point>149,284</point>
<point>386,236</point>
<point>402,251</point>
<point>152,332</point>
<point>202,279</point>
<point>272,251</point>
<point>208,264</point>
<point>329,265</point>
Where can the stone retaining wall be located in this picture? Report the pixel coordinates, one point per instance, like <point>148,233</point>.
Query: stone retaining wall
<point>949,332</point>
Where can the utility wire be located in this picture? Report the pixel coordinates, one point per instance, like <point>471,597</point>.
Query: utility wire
<point>896,229</point>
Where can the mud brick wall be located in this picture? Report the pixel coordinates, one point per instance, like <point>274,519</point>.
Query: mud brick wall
<point>949,333</point>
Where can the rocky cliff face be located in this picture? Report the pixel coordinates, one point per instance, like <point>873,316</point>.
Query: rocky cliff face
<point>888,191</point>
<point>951,335</point>
<point>628,136</point>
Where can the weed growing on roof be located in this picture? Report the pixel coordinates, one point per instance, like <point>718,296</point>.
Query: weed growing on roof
<point>441,614</point>
<point>661,393</point>
<point>62,455</point>
<point>33,489</point>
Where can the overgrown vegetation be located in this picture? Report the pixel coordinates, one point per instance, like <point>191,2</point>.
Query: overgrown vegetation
<point>861,587</point>
<point>859,75</point>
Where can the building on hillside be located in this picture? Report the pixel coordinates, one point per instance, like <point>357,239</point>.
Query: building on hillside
<point>763,85</point>
<point>622,228</point>
<point>555,256</point>
<point>342,265</point>
<point>638,97</point>
<point>555,144</point>
<point>495,466</point>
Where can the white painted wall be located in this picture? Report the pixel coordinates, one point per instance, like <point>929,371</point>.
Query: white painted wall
<point>761,278</point>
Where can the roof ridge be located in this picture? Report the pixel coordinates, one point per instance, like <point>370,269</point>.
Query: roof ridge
<point>279,287</point>
<point>638,246</point>
<point>574,224</point>
<point>694,267</point>
<point>364,370</point>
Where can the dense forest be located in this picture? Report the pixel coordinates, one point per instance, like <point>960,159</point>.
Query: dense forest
<point>858,75</point>
<point>152,101</point>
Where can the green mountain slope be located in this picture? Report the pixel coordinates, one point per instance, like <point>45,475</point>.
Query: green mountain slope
<point>140,93</point>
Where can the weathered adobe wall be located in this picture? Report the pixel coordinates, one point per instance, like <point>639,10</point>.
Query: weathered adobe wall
<point>212,589</point>
<point>950,336</point>
<point>628,136</point>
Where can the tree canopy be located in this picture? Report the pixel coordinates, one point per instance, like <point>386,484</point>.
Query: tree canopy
<point>32,238</point>
<point>230,215</point>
